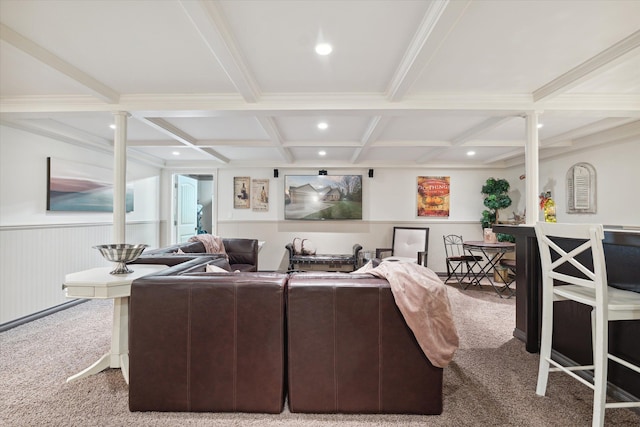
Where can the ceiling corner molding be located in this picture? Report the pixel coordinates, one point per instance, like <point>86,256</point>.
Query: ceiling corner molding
<point>270,127</point>
<point>370,136</point>
<point>210,23</point>
<point>180,136</point>
<point>480,129</point>
<point>41,54</point>
<point>589,68</point>
<point>425,44</point>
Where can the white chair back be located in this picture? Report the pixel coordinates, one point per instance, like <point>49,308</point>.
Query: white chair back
<point>407,242</point>
<point>560,263</point>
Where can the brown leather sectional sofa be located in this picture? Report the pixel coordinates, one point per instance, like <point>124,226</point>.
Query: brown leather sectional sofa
<point>227,342</point>
<point>243,253</point>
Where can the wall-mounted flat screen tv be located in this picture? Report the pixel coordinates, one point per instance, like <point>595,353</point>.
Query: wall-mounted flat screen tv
<point>322,197</point>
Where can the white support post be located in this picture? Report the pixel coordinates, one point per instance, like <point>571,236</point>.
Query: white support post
<point>120,176</point>
<point>532,165</point>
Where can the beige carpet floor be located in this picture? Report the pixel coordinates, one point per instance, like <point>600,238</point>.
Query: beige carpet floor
<point>491,381</point>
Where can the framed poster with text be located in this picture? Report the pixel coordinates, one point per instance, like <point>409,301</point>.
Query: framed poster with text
<point>433,196</point>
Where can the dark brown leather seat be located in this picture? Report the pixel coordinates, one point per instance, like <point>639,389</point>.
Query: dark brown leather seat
<point>207,342</point>
<point>243,253</point>
<point>350,350</point>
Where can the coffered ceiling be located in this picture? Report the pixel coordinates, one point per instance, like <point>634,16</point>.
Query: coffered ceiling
<point>238,83</point>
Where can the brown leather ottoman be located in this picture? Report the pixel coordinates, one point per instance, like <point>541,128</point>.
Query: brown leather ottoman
<point>350,350</point>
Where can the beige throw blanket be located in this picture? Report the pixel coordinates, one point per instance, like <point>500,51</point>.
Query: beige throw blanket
<point>423,301</point>
<point>212,244</point>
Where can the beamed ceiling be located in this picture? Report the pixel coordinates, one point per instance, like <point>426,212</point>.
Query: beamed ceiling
<point>409,83</point>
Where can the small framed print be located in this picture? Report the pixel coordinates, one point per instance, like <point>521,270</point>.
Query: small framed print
<point>260,195</point>
<point>241,192</point>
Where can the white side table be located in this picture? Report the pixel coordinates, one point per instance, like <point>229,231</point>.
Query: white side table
<point>98,283</point>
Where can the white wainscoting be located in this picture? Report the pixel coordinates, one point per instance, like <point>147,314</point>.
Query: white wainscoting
<point>35,259</point>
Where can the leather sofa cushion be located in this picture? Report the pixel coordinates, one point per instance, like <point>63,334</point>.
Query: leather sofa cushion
<point>350,350</point>
<point>210,342</point>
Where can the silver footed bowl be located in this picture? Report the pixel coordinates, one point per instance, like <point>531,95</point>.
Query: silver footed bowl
<point>121,253</point>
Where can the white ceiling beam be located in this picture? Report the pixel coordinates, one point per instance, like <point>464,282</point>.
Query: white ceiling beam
<point>172,105</point>
<point>586,130</point>
<point>180,136</point>
<point>375,128</point>
<point>589,68</point>
<point>614,134</point>
<point>270,127</point>
<point>57,131</point>
<point>465,138</point>
<point>98,89</point>
<point>214,30</point>
<point>438,21</point>
<point>480,129</point>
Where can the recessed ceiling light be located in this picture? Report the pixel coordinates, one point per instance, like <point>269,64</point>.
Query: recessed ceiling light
<point>112,126</point>
<point>176,153</point>
<point>471,153</point>
<point>323,125</point>
<point>322,153</point>
<point>323,49</point>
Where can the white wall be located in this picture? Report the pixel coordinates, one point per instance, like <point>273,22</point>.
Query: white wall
<point>389,200</point>
<point>37,247</point>
<point>617,184</point>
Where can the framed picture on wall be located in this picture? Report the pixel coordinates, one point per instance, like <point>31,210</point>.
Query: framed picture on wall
<point>433,196</point>
<point>75,186</point>
<point>260,195</point>
<point>322,197</point>
<point>241,192</point>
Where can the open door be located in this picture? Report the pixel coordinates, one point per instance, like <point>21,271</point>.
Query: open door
<point>186,222</point>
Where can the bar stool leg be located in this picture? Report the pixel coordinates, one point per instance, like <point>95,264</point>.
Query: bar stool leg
<point>600,368</point>
<point>545,344</point>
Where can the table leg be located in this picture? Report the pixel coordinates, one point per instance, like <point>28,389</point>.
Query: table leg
<point>118,357</point>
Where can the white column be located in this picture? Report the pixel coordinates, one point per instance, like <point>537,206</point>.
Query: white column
<point>531,160</point>
<point>119,176</point>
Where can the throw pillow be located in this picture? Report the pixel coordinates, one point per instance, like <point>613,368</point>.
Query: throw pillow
<point>215,269</point>
<point>303,247</point>
<point>307,248</point>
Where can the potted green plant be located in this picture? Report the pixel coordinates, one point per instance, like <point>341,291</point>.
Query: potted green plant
<point>496,198</point>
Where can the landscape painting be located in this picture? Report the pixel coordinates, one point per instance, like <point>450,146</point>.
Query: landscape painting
<point>323,197</point>
<point>74,186</point>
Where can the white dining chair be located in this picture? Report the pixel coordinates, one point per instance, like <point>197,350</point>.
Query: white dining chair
<point>573,268</point>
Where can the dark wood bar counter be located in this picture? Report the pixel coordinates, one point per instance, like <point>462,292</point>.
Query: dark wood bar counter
<point>572,322</point>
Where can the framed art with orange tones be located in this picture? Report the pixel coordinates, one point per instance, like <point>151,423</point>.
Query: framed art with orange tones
<point>433,196</point>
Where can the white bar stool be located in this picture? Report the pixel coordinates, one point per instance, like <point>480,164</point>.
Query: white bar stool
<point>586,286</point>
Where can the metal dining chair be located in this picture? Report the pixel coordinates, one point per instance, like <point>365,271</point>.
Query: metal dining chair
<point>573,268</point>
<point>458,260</point>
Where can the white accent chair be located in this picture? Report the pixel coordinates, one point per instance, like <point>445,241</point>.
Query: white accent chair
<point>410,244</point>
<point>573,268</point>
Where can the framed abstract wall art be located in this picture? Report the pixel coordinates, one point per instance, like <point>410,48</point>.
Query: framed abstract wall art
<point>75,186</point>
<point>323,197</point>
<point>433,196</point>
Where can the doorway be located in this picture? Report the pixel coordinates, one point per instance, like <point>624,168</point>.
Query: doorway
<point>193,206</point>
